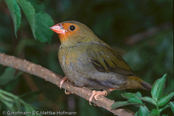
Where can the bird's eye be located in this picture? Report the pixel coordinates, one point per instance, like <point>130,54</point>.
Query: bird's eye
<point>72,28</point>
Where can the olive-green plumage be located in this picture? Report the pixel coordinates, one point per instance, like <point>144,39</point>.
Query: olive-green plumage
<point>89,62</point>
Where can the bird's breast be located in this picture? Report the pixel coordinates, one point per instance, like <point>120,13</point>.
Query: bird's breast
<point>73,56</point>
<point>75,64</point>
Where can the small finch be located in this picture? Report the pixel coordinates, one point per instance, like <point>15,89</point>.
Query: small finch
<point>89,62</point>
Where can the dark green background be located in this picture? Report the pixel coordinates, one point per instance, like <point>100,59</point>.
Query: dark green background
<point>140,30</point>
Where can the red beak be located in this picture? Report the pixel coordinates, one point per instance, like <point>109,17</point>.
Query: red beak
<point>58,28</point>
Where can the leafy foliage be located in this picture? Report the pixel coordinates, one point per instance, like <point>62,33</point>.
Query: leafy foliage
<point>6,78</point>
<point>40,29</point>
<point>15,103</point>
<point>149,53</point>
<point>161,102</point>
<point>29,13</point>
<point>15,13</point>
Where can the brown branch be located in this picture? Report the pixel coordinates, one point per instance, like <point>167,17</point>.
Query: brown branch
<point>50,76</point>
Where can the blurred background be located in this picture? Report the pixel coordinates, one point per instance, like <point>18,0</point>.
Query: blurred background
<point>140,31</point>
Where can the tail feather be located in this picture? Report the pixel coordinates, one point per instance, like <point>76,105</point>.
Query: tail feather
<point>145,85</point>
<point>135,82</point>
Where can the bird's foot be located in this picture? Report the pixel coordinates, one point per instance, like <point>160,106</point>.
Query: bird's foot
<point>62,81</point>
<point>95,95</point>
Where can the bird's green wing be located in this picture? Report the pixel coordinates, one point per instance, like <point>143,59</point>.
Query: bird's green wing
<point>104,59</point>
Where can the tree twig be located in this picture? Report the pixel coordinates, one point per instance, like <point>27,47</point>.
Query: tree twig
<point>50,76</point>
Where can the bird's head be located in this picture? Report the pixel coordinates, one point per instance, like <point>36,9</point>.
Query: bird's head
<point>72,32</point>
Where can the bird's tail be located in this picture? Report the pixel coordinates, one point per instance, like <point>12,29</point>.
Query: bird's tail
<point>135,82</point>
<point>145,85</point>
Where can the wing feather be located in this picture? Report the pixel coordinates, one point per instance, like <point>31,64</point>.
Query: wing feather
<point>104,59</point>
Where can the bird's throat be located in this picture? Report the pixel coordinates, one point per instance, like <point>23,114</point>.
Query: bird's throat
<point>62,37</point>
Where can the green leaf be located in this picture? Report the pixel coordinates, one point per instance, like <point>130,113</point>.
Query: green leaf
<point>44,22</point>
<point>14,102</point>
<point>158,87</point>
<point>165,107</point>
<point>136,114</point>
<point>154,112</point>
<point>7,76</point>
<point>135,100</point>
<point>172,106</point>
<point>138,94</point>
<point>29,13</point>
<point>5,98</point>
<point>149,100</point>
<point>17,103</point>
<point>143,111</point>
<point>165,99</point>
<point>130,95</point>
<point>15,13</point>
<point>121,103</point>
<point>38,5</point>
<point>127,95</point>
<point>8,104</point>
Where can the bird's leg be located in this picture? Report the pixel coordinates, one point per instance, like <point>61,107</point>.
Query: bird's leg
<point>62,81</point>
<point>95,94</point>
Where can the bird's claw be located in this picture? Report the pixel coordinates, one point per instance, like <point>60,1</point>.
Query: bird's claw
<point>67,92</point>
<point>95,95</point>
<point>62,81</point>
